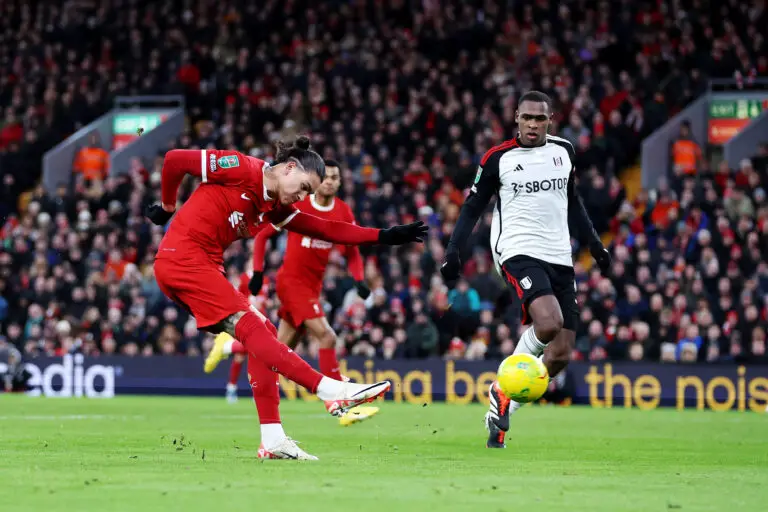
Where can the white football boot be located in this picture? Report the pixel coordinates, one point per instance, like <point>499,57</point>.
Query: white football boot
<point>286,448</point>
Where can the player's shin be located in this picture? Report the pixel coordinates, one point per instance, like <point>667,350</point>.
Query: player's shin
<point>266,396</point>
<point>234,372</point>
<point>528,344</point>
<point>329,365</point>
<point>261,343</point>
<point>497,417</point>
<point>323,333</point>
<point>558,352</point>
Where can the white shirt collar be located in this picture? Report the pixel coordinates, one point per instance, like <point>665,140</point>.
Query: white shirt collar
<point>267,197</point>
<point>319,207</point>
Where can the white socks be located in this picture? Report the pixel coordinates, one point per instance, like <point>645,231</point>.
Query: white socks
<point>231,387</point>
<point>227,348</point>
<point>329,389</point>
<point>271,435</point>
<point>529,344</point>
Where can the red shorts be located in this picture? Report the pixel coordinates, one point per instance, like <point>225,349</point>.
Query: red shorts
<point>201,289</point>
<point>298,303</point>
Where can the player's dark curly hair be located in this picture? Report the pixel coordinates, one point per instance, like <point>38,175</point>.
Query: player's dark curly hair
<point>536,97</point>
<point>299,150</point>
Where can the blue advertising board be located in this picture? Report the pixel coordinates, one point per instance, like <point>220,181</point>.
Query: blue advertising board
<point>642,385</point>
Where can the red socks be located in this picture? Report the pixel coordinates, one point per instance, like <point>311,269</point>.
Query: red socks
<point>234,370</point>
<point>329,365</point>
<point>264,346</point>
<point>266,391</point>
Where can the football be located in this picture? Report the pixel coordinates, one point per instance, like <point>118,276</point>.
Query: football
<point>523,378</point>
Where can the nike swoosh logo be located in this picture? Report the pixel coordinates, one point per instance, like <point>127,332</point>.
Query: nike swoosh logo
<point>367,389</point>
<point>243,196</point>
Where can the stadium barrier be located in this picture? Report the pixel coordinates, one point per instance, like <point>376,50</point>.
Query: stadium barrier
<point>641,385</point>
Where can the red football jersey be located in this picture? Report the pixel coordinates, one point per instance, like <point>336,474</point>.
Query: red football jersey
<point>230,204</point>
<point>306,258</point>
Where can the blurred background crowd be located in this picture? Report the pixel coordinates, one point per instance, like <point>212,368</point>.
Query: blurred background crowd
<point>408,95</point>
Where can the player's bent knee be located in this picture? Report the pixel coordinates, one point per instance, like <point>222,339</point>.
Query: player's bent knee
<point>547,317</point>
<point>549,326</point>
<point>327,339</point>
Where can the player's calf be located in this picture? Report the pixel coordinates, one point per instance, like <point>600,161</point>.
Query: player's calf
<point>320,330</point>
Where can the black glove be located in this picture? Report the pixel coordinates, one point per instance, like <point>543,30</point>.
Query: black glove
<point>157,214</point>
<point>451,267</point>
<point>602,256</point>
<point>362,290</point>
<point>400,235</point>
<point>254,285</point>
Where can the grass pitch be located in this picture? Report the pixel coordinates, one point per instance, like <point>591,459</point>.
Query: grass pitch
<point>194,454</point>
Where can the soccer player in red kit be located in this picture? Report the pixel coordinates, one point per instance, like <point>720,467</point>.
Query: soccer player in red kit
<point>300,282</point>
<point>237,195</point>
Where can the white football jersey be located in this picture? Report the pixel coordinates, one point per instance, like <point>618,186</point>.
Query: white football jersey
<point>531,213</point>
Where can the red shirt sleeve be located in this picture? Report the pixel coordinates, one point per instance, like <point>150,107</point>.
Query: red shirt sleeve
<point>281,216</point>
<point>243,288</point>
<point>333,231</point>
<point>355,262</point>
<point>211,166</point>
<point>352,252</point>
<point>260,247</point>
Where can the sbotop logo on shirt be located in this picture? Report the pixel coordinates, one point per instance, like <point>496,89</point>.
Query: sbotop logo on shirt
<point>534,187</point>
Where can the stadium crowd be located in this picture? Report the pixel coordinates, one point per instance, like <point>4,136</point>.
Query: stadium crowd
<point>408,96</point>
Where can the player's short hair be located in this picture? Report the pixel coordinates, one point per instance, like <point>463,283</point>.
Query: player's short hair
<point>300,151</point>
<point>332,163</point>
<point>537,97</point>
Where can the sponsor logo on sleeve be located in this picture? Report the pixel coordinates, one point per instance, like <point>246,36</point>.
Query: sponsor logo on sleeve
<point>212,163</point>
<point>228,162</point>
<point>478,175</point>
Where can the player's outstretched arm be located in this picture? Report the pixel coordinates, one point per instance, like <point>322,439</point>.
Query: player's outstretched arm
<point>176,164</point>
<point>206,164</point>
<point>259,251</point>
<point>578,213</point>
<point>345,233</point>
<point>482,191</point>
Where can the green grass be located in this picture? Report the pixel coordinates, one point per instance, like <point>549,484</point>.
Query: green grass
<point>119,455</point>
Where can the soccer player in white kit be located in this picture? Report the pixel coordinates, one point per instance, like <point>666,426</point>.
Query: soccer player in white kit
<point>533,177</point>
